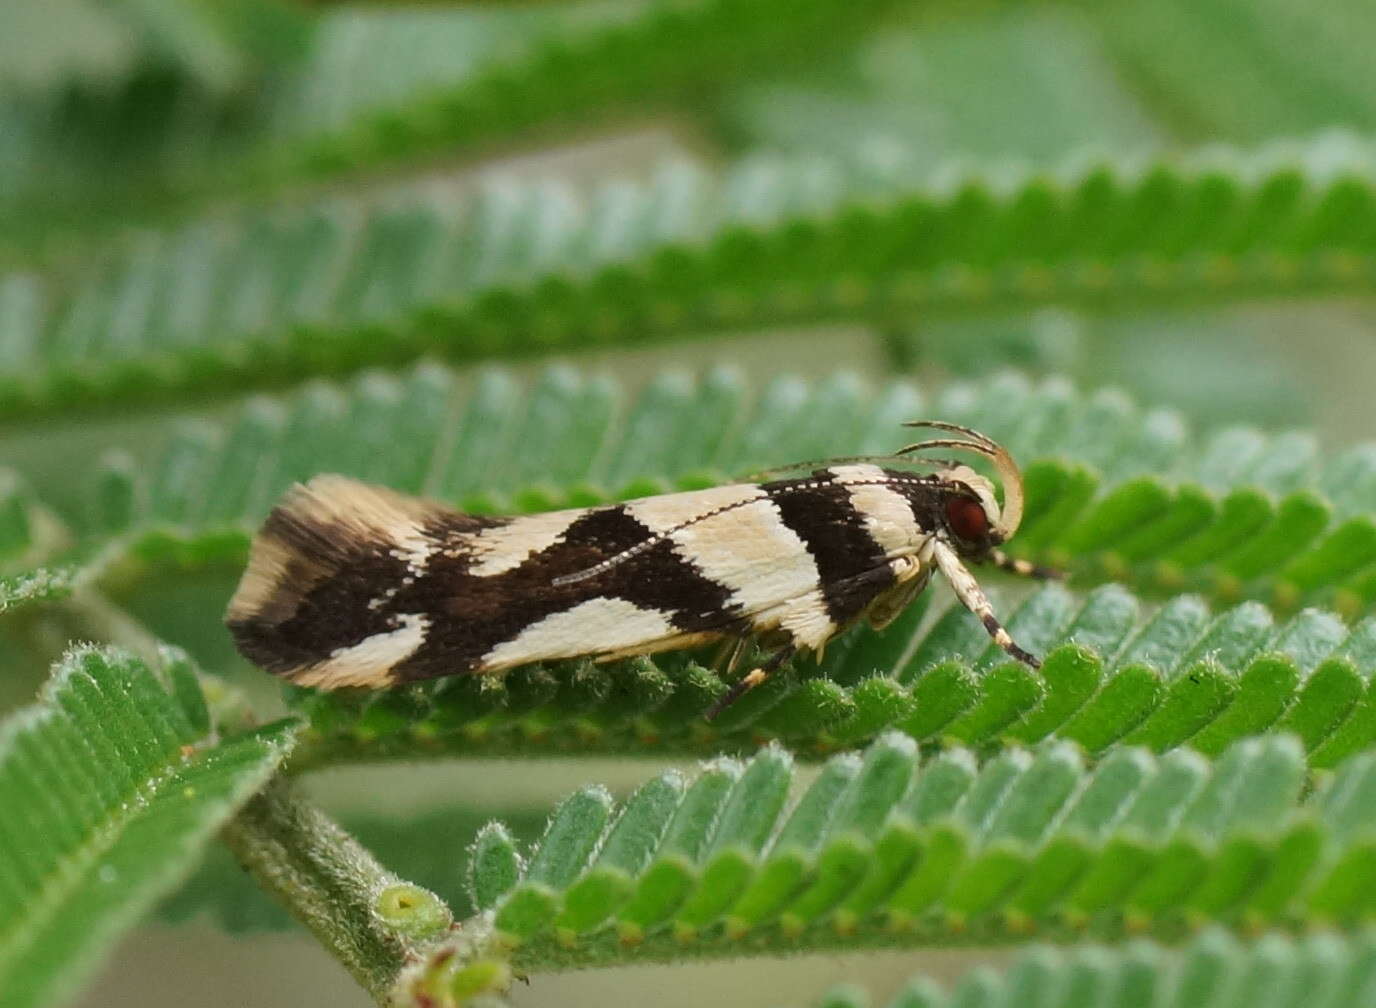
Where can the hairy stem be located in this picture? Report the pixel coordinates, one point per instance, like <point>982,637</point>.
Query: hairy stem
<point>332,885</point>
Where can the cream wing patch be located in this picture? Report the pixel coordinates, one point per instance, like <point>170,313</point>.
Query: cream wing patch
<point>613,623</point>
<point>807,620</point>
<point>368,662</point>
<point>667,512</point>
<point>262,592</point>
<point>385,515</point>
<point>888,517</point>
<point>350,509</point>
<point>735,536</point>
<point>505,547</point>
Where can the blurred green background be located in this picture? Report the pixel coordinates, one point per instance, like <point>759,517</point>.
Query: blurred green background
<point>203,201</point>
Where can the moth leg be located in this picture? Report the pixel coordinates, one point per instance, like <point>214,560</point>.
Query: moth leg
<point>1024,568</point>
<point>911,576</point>
<point>972,597</point>
<point>750,681</point>
<point>889,606</point>
<point>729,654</point>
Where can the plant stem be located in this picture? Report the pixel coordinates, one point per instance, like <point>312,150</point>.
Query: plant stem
<point>328,881</point>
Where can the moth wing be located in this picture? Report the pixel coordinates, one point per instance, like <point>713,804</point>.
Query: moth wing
<point>301,608</point>
<point>315,531</point>
<point>627,579</point>
<point>734,536</point>
<point>658,573</point>
<point>351,584</point>
<point>737,537</point>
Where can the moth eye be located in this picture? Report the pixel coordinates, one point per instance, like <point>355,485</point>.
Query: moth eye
<point>967,519</point>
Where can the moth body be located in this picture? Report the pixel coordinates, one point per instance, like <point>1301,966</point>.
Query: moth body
<point>354,585</point>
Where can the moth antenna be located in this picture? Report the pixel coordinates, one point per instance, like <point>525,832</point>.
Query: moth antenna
<point>944,463</point>
<point>642,546</point>
<point>974,446</point>
<point>610,562</point>
<point>946,425</point>
<point>758,475</point>
<point>1010,517</point>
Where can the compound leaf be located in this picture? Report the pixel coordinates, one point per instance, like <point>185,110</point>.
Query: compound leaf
<point>268,297</point>
<point>1034,838</point>
<point>111,785</point>
<point>1213,970</point>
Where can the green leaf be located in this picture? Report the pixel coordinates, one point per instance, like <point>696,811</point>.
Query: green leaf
<point>201,50</point>
<point>628,848</point>
<point>745,820</point>
<point>1216,70</point>
<point>1292,676</point>
<point>42,585</point>
<point>494,866</point>
<point>111,787</point>
<point>1212,970</point>
<point>794,847</point>
<point>1032,83</point>
<point>666,883</point>
<point>574,832</point>
<point>378,87</point>
<point>496,71</point>
<point>888,850</point>
<point>535,267</point>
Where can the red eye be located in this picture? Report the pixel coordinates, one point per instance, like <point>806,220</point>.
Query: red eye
<point>967,519</point>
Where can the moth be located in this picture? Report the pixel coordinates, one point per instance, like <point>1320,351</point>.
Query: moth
<point>349,584</point>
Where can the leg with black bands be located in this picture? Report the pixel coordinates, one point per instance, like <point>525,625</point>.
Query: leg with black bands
<point>1024,568</point>
<point>972,597</point>
<point>750,681</point>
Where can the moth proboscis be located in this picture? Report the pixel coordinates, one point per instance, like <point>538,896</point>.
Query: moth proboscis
<point>349,584</point>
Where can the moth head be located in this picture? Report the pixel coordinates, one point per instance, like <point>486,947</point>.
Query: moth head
<point>970,512</point>
<point>974,519</point>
